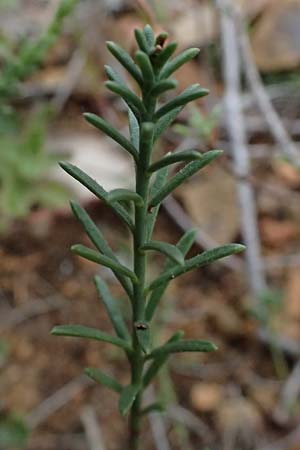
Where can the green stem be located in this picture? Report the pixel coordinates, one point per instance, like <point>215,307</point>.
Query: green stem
<point>140,264</point>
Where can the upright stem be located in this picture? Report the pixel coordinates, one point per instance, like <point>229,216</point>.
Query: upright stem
<point>140,263</point>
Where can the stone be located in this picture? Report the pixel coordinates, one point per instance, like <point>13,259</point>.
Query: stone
<point>276,37</point>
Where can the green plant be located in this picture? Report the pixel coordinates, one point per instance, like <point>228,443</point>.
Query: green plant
<point>199,125</point>
<point>147,121</point>
<point>24,162</point>
<point>14,432</point>
<point>24,167</point>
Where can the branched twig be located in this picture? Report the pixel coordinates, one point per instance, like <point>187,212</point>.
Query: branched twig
<point>236,128</point>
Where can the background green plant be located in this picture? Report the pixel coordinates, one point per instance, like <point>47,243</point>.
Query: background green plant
<point>24,162</point>
<point>147,119</point>
<point>14,431</point>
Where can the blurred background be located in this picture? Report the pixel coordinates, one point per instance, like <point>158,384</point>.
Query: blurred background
<point>246,396</point>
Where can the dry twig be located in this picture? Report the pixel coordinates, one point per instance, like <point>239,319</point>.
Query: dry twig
<point>57,400</point>
<point>92,428</point>
<point>241,160</point>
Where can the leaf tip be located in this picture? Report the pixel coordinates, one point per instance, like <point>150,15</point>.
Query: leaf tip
<point>55,331</point>
<point>239,248</point>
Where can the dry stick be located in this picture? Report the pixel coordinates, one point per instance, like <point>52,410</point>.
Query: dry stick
<point>236,129</point>
<point>157,424</point>
<point>289,395</point>
<point>57,400</point>
<point>65,90</point>
<point>285,443</point>
<point>92,428</point>
<point>191,421</point>
<point>250,69</point>
<point>30,310</point>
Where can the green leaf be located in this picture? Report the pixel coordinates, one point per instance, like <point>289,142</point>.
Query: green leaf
<point>102,378</point>
<point>149,35</point>
<point>89,333</point>
<point>124,195</point>
<point>164,122</point>
<point>181,176</point>
<point>112,309</point>
<point>134,129</point>
<point>154,407</point>
<point>146,67</point>
<point>97,190</point>
<point>171,251</point>
<point>110,131</point>
<point>166,53</point>
<point>192,345</point>
<point>127,398</point>
<point>159,361</point>
<point>172,158</point>
<point>184,245</point>
<point>178,61</point>
<point>93,232</point>
<point>203,259</point>
<point>98,240</point>
<point>113,75</point>
<point>191,93</point>
<point>14,432</point>
<point>106,261</point>
<point>162,86</point>
<point>142,331</point>
<point>161,177</point>
<point>122,56</point>
<point>141,40</point>
<point>161,38</point>
<point>130,98</point>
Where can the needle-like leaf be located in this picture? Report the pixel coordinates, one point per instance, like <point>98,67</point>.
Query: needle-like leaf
<point>124,195</point>
<point>191,93</point>
<point>185,173</point>
<point>146,67</point>
<point>171,251</point>
<point>148,31</point>
<point>102,378</point>
<point>92,255</point>
<point>161,177</point>
<point>134,129</point>
<point>98,240</point>
<point>97,190</point>
<point>112,309</point>
<point>127,398</point>
<point>122,56</point>
<point>131,99</point>
<point>203,259</point>
<point>104,126</point>
<point>160,360</point>
<point>89,333</point>
<point>166,53</point>
<point>162,86</point>
<point>141,40</point>
<point>164,122</point>
<point>184,245</point>
<point>192,345</point>
<point>178,61</point>
<point>173,158</point>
